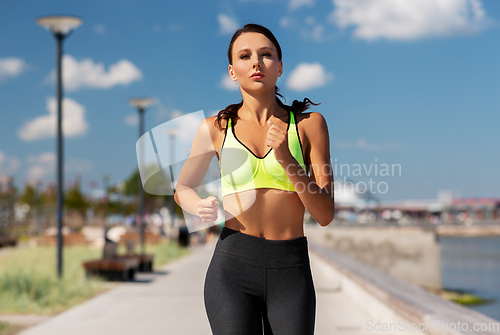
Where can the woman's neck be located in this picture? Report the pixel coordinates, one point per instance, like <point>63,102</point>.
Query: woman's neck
<point>259,108</point>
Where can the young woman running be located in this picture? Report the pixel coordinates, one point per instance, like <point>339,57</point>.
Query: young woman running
<point>275,162</point>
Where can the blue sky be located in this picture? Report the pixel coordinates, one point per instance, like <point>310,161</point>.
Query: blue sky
<point>408,83</point>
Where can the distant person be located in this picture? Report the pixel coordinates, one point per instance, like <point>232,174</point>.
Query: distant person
<point>259,278</point>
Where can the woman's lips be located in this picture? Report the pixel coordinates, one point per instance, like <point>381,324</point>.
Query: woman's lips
<point>257,76</point>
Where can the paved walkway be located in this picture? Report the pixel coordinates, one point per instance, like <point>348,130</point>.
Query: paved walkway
<point>170,301</point>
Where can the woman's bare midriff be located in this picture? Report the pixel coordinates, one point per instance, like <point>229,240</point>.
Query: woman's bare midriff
<point>267,213</point>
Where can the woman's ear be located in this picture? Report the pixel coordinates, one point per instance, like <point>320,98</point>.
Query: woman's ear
<point>280,71</point>
<point>231,73</point>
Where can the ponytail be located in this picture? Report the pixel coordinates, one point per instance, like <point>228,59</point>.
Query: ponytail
<point>230,111</point>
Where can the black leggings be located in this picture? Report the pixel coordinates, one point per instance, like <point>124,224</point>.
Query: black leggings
<point>254,285</point>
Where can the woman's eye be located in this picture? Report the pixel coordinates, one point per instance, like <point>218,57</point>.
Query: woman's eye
<point>267,54</point>
<point>243,56</point>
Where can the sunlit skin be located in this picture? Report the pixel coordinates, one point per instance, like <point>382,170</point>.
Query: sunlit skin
<point>267,213</point>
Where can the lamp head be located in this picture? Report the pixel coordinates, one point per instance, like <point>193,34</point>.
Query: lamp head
<point>59,24</point>
<point>141,103</point>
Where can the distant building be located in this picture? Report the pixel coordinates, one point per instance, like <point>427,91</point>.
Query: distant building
<point>445,209</point>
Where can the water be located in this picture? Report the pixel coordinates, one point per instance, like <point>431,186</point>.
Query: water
<point>472,264</point>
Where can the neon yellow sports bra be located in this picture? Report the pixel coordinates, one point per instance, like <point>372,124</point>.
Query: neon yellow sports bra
<point>242,170</point>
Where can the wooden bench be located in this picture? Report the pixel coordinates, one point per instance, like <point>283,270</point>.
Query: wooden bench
<point>145,260</point>
<point>112,266</point>
<point>112,269</point>
<point>7,241</point>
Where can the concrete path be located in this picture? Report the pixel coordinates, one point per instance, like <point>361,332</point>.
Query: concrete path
<point>170,301</point>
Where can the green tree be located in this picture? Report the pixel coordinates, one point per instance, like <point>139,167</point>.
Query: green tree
<point>30,196</point>
<point>131,184</point>
<point>152,201</point>
<point>74,199</point>
<point>8,196</point>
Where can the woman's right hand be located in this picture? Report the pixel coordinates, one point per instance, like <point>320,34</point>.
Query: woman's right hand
<point>207,209</point>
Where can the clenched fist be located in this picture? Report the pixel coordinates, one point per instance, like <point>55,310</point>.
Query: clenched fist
<point>207,209</point>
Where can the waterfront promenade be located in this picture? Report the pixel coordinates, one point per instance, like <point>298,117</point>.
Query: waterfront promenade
<point>170,301</point>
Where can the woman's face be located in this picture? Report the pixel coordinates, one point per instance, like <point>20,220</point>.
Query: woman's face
<point>255,53</point>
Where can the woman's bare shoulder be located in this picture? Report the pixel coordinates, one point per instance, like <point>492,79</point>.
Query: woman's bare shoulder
<point>216,134</point>
<point>310,118</point>
<point>212,125</point>
<point>311,122</point>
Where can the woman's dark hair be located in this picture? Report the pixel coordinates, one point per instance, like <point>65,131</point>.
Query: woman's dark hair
<point>232,110</point>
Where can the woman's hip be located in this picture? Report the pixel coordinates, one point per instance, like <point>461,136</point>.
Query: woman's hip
<point>261,252</point>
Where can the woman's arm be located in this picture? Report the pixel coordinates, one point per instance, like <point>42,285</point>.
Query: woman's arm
<point>194,169</point>
<point>315,192</point>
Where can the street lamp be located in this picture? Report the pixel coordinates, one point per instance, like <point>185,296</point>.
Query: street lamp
<point>172,133</point>
<point>60,26</point>
<point>105,183</point>
<point>141,104</point>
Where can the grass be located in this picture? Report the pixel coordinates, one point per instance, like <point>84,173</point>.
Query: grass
<point>164,252</point>
<point>8,329</point>
<point>29,281</point>
<point>461,298</point>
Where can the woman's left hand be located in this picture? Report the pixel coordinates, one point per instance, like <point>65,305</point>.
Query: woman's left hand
<point>277,138</point>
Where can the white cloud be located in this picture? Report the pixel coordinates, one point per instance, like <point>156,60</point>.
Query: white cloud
<point>408,20</point>
<point>78,166</point>
<point>100,29</point>
<point>188,126</point>
<point>295,4</point>
<point>87,74</point>
<point>286,22</point>
<point>227,24</point>
<point>309,28</point>
<point>308,76</point>
<point>74,123</point>
<point>132,120</point>
<point>228,84</point>
<point>315,33</point>
<point>8,165</point>
<point>11,67</point>
<point>363,145</point>
<point>44,165</point>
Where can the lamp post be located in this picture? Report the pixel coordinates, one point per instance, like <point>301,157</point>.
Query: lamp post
<point>172,133</point>
<point>120,188</point>
<point>141,104</point>
<point>60,26</point>
<point>105,183</point>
